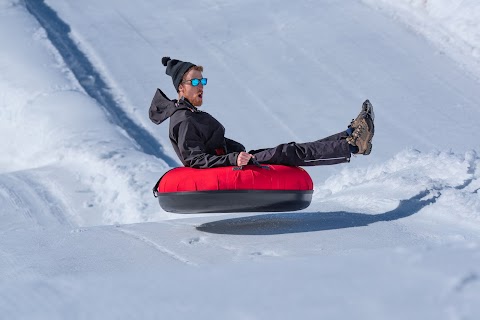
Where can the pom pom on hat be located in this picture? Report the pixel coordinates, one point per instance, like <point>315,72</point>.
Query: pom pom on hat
<point>165,60</point>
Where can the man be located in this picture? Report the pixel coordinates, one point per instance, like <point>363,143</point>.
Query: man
<point>199,139</point>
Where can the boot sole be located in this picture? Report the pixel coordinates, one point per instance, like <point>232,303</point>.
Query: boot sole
<point>368,109</point>
<point>368,150</point>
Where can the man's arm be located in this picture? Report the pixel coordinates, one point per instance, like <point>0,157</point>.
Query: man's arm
<point>234,146</point>
<point>193,151</point>
<point>243,157</point>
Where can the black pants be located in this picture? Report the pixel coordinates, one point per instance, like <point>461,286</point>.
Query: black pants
<point>331,150</point>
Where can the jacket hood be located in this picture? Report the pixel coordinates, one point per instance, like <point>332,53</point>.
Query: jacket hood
<point>163,108</point>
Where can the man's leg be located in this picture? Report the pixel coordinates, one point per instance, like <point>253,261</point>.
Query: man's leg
<point>337,136</point>
<point>331,150</point>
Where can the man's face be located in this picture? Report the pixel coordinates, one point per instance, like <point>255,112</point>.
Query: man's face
<point>193,94</point>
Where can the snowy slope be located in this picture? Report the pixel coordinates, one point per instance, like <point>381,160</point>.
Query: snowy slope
<point>300,70</point>
<point>391,235</point>
<point>453,26</point>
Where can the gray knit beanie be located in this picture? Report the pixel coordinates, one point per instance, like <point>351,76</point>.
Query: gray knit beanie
<point>176,69</point>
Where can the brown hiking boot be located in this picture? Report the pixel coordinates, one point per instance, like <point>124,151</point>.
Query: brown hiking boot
<point>363,129</point>
<point>367,110</point>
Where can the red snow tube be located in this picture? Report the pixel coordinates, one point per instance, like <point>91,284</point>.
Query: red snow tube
<point>234,189</point>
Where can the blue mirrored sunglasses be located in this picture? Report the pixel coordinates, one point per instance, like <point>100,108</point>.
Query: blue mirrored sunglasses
<point>195,82</point>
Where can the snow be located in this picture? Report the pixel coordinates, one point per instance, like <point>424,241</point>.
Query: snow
<point>391,235</point>
<point>453,26</point>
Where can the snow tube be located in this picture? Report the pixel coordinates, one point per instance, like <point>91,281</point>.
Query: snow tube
<point>249,188</point>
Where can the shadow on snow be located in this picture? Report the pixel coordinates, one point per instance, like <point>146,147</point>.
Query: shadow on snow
<point>91,81</point>
<point>282,223</point>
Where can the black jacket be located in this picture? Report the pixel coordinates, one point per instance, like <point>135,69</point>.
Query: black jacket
<point>197,137</point>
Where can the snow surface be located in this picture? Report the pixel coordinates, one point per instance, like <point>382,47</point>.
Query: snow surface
<point>393,235</point>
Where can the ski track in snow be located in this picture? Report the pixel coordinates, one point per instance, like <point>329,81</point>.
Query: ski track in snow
<point>156,246</point>
<point>135,30</point>
<point>9,195</point>
<point>33,200</point>
<point>90,80</point>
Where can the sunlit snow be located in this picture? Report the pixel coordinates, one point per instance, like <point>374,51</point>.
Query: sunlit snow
<point>392,235</point>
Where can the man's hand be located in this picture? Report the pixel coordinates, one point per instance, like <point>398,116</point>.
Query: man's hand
<point>243,158</point>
